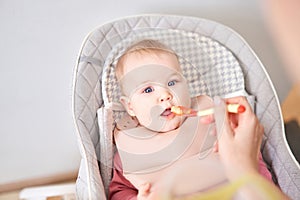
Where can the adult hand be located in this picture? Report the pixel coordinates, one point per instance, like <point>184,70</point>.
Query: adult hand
<point>239,138</point>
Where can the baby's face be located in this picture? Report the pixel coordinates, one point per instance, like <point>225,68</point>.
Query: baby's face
<point>152,84</point>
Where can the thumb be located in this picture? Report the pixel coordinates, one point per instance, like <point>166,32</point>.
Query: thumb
<point>221,117</point>
<point>145,189</point>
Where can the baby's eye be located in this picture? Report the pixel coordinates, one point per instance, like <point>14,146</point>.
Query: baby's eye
<point>148,90</point>
<point>171,83</point>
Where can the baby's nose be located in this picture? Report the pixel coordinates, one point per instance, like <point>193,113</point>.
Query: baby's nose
<point>166,96</point>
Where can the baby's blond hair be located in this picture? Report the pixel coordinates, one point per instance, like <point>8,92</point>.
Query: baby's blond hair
<point>146,46</point>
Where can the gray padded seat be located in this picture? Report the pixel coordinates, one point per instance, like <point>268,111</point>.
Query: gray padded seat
<point>96,144</point>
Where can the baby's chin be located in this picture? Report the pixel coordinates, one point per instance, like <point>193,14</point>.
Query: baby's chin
<point>167,126</point>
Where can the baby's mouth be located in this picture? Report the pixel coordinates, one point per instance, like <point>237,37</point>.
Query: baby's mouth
<point>167,113</point>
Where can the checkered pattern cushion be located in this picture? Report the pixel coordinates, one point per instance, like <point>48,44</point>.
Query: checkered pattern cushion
<point>208,66</point>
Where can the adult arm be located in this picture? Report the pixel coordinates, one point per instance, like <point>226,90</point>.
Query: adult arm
<point>239,140</point>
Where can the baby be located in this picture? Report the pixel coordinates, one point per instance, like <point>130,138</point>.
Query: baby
<point>151,81</point>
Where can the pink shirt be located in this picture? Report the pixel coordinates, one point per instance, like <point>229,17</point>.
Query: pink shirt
<point>120,188</point>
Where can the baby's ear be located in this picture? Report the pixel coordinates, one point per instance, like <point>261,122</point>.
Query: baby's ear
<point>126,103</point>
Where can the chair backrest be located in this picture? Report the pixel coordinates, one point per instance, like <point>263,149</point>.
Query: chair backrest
<point>96,146</point>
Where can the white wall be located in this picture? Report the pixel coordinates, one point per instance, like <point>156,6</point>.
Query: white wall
<point>39,42</point>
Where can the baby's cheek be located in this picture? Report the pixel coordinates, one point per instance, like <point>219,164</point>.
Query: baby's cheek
<point>183,96</point>
<point>184,99</point>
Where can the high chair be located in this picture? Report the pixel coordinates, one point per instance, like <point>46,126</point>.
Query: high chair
<point>227,67</point>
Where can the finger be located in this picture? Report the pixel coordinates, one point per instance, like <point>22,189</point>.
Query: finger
<point>242,119</point>
<point>221,117</point>
<point>213,131</point>
<point>216,147</point>
<point>235,100</point>
<point>240,100</point>
<point>145,189</point>
<point>233,119</point>
<point>208,119</point>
